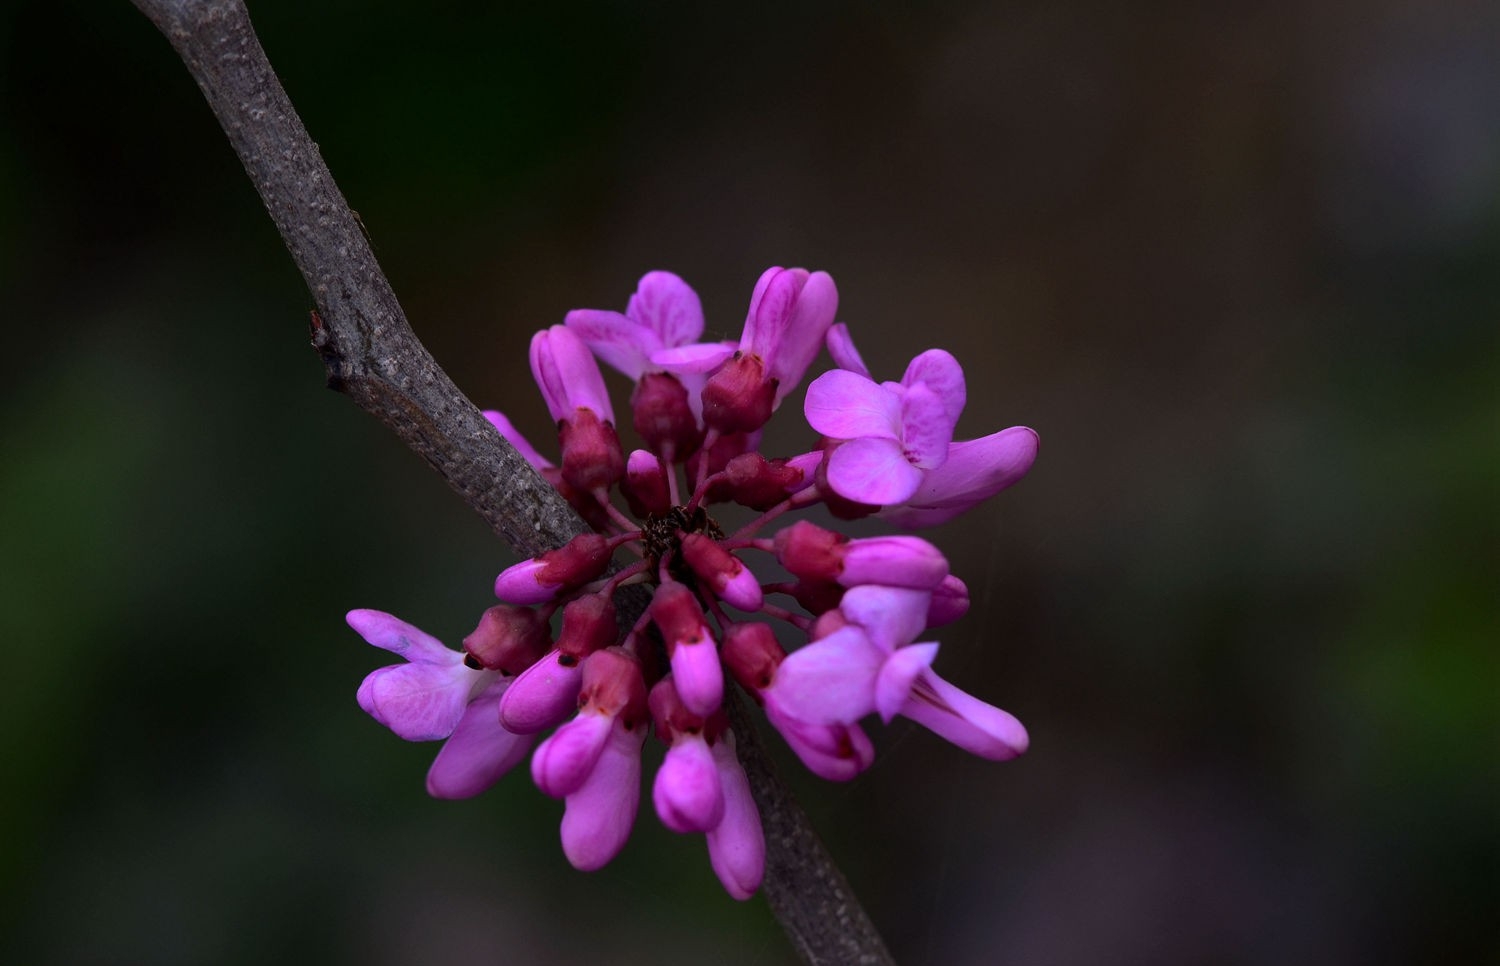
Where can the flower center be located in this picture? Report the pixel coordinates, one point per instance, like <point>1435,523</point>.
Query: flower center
<point>662,535</point>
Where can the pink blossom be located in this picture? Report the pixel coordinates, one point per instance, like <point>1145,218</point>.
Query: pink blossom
<point>975,470</point>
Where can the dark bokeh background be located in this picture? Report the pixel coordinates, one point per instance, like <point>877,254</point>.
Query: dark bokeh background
<point>1237,263</point>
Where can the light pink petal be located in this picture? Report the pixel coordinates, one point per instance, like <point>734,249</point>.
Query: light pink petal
<point>737,844</point>
<point>830,681</point>
<point>950,601</point>
<point>812,314</point>
<point>543,695</point>
<point>563,762</point>
<point>700,357</point>
<point>397,636</point>
<point>520,584</point>
<point>620,342</point>
<point>872,470</point>
<point>699,676</point>
<point>926,428</point>
<point>841,347</point>
<point>669,307</point>
<point>897,675</point>
<point>743,591</point>
<point>941,373</point>
<point>567,375</point>
<point>419,702</point>
<point>515,439</point>
<point>842,405</point>
<point>891,616</point>
<point>771,310</point>
<point>963,719</point>
<point>833,752</point>
<point>975,470</point>
<point>479,751</point>
<point>899,561</point>
<point>599,815</point>
<point>808,464</point>
<point>686,792</point>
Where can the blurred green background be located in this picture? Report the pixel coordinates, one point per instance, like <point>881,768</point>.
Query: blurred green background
<point>1237,264</point>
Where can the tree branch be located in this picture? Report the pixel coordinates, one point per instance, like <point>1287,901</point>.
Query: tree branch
<point>373,356</point>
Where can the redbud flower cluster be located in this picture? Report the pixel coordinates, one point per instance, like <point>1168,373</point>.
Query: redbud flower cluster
<point>861,605</point>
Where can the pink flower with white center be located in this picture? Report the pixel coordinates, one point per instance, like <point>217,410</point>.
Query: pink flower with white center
<point>866,666</point>
<point>893,432</point>
<point>594,761</point>
<point>436,695</point>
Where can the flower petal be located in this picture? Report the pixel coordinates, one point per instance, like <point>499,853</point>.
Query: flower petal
<point>695,358</point>
<point>941,373</point>
<point>872,470</point>
<point>419,702</point>
<point>737,844</point>
<point>699,676</point>
<point>975,470</point>
<point>669,307</point>
<point>830,681</point>
<point>963,719</point>
<point>599,815</point>
<point>567,375</point>
<point>812,314</point>
<point>563,762</point>
<point>843,405</point>
<point>841,347</point>
<point>900,670</point>
<point>543,695</point>
<point>686,792</point>
<point>833,752</point>
<point>479,751</point>
<point>397,636</point>
<point>620,342</point>
<point>926,428</point>
<point>891,616</point>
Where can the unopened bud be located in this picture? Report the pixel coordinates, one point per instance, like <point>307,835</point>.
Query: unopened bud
<point>508,639</point>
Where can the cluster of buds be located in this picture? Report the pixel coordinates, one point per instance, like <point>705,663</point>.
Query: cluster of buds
<point>859,606</point>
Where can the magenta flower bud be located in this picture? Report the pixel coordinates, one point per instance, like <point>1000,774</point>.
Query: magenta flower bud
<point>723,449</point>
<point>687,792</point>
<point>722,571</point>
<point>565,760</point>
<point>540,579</point>
<point>809,551</point>
<point>736,843</point>
<point>508,639</point>
<point>592,456</point>
<point>752,480</point>
<point>950,601</point>
<point>568,376</point>
<point>752,654</point>
<point>739,398</point>
<point>613,685</point>
<point>663,416</point>
<point>588,626</point>
<point>544,695</point>
<point>893,562</point>
<point>599,814</point>
<point>690,647</point>
<point>645,484</point>
<point>836,752</point>
<point>790,311</point>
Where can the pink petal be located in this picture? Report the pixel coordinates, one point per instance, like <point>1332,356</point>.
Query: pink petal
<point>700,357</point>
<point>770,311</point>
<point>686,792</point>
<point>812,314</point>
<point>830,681</point>
<point>567,375</point>
<point>897,675</point>
<point>842,405</point>
<point>975,470</point>
<point>743,591</point>
<point>841,347</point>
<point>833,752</point>
<point>872,470</point>
<point>699,676</point>
<point>620,342</point>
<point>808,464</point>
<point>893,562</point>
<point>419,702</point>
<point>519,584</point>
<point>544,695</point>
<point>599,815</point>
<point>891,616</point>
<point>737,844</point>
<point>479,751</point>
<point>963,719</point>
<point>926,428</point>
<point>669,307</point>
<point>563,762</point>
<point>515,439</point>
<point>397,636</point>
<point>950,601</point>
<point>942,374</point>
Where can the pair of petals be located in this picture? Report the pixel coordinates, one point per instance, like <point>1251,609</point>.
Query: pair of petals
<point>567,375</point>
<point>594,763</point>
<point>664,313</point>
<point>704,789</point>
<point>895,432</point>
